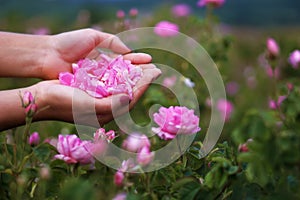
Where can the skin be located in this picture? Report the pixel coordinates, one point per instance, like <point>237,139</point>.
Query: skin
<point>44,57</point>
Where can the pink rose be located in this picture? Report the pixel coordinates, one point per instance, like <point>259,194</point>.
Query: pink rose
<point>72,150</point>
<point>276,104</point>
<point>215,3</point>
<point>101,134</point>
<point>294,59</point>
<point>104,77</point>
<point>226,108</point>
<point>181,10</point>
<point>27,99</point>
<point>34,139</point>
<point>31,109</point>
<point>120,14</point>
<point>166,29</point>
<point>175,120</point>
<point>118,178</point>
<point>133,12</point>
<point>145,156</point>
<point>273,48</point>
<point>135,141</point>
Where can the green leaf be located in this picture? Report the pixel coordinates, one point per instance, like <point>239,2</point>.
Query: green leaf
<point>181,182</point>
<point>42,152</point>
<point>189,190</point>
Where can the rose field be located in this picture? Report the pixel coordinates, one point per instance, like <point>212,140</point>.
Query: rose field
<point>220,122</point>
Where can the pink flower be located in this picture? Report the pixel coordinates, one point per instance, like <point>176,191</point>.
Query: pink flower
<point>272,73</point>
<point>145,156</point>
<point>34,139</point>
<point>175,120</point>
<point>166,29</point>
<point>118,178</point>
<point>225,107</point>
<point>100,134</point>
<point>135,142</point>
<point>30,110</point>
<point>294,59</point>
<point>169,81</point>
<point>232,88</point>
<point>127,165</point>
<point>273,48</point>
<point>27,99</point>
<point>290,86</point>
<point>133,12</point>
<point>181,10</point>
<point>276,104</point>
<point>72,150</point>
<point>215,3</point>
<point>121,196</point>
<point>120,14</point>
<point>104,77</point>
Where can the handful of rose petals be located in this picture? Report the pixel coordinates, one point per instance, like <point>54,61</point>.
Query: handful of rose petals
<point>103,77</point>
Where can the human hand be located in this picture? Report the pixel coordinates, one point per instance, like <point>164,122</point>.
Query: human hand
<point>63,102</point>
<point>69,47</point>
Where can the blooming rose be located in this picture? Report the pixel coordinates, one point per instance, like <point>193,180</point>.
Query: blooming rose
<point>294,59</point>
<point>215,3</point>
<point>104,77</point>
<point>175,120</point>
<point>73,150</point>
<point>166,29</point>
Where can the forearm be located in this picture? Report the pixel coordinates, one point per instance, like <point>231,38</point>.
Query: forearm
<point>22,55</point>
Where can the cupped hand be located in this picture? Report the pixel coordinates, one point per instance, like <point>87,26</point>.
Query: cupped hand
<point>69,47</point>
<point>64,103</point>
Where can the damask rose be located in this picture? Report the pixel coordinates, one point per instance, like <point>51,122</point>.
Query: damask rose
<point>74,150</point>
<point>175,120</point>
<point>103,77</point>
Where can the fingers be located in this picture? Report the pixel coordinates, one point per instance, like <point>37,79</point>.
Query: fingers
<point>138,58</point>
<point>113,43</point>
